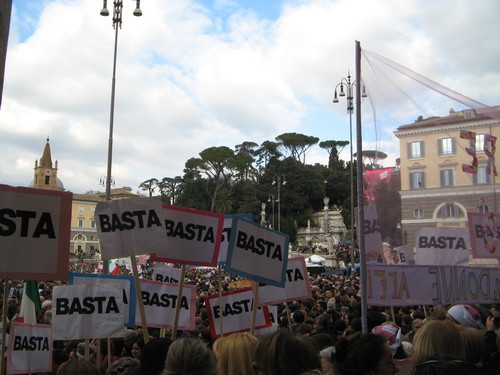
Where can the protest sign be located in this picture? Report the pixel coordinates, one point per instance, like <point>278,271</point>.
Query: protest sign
<point>484,233</point>
<point>273,317</point>
<point>87,311</point>
<point>226,234</point>
<point>193,236</point>
<point>257,253</point>
<point>30,348</point>
<point>166,274</point>
<point>373,238</point>
<point>236,312</point>
<point>442,246</point>
<point>297,285</point>
<point>130,227</point>
<point>160,301</point>
<point>126,282</point>
<point>35,227</point>
<point>430,285</point>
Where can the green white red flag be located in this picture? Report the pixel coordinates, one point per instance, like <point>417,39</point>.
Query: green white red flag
<point>30,303</point>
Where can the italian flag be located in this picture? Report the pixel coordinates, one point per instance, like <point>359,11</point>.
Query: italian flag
<point>30,303</point>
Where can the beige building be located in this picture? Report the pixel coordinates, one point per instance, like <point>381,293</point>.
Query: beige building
<point>435,191</point>
<point>84,239</point>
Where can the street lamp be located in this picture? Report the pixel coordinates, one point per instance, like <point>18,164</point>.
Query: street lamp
<point>117,24</point>
<point>350,107</point>
<point>279,180</point>
<point>272,199</point>
<point>263,214</point>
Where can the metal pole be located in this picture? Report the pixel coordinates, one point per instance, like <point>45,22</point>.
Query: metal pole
<point>361,203</point>
<point>353,247</point>
<point>279,204</point>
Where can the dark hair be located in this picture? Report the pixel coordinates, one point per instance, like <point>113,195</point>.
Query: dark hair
<point>358,354</point>
<point>153,356</point>
<point>284,353</point>
<point>445,366</point>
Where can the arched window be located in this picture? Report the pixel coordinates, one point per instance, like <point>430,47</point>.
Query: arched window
<point>449,210</point>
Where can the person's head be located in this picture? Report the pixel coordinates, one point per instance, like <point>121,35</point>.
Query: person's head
<point>474,344</point>
<point>136,348</point>
<point>124,366</point>
<point>154,355</point>
<point>464,315</point>
<point>284,353</point>
<point>437,337</point>
<point>78,367</point>
<point>235,353</point>
<point>189,356</point>
<point>363,354</point>
<point>445,366</point>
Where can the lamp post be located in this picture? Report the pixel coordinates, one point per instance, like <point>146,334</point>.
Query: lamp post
<point>279,180</point>
<point>350,107</point>
<point>263,214</point>
<point>272,199</point>
<point>117,24</point>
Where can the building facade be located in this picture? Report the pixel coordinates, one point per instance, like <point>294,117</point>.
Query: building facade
<point>435,191</point>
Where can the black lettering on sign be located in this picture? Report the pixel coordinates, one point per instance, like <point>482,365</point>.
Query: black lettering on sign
<point>478,229</point>
<point>441,242</point>
<point>88,305</point>
<point>226,234</point>
<point>294,275</point>
<point>31,343</point>
<point>371,227</point>
<point>166,279</point>
<point>234,308</point>
<point>163,300</point>
<point>259,246</point>
<point>190,231</point>
<point>129,220</point>
<point>28,225</point>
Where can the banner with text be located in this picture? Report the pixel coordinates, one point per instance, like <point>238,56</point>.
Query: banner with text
<point>373,238</point>
<point>87,311</point>
<point>484,234</point>
<point>35,226</point>
<point>297,285</point>
<point>442,246</point>
<point>226,234</point>
<point>30,348</point>
<point>194,236</point>
<point>257,253</point>
<point>236,312</point>
<point>429,285</point>
<point>160,301</point>
<point>166,273</point>
<point>126,281</point>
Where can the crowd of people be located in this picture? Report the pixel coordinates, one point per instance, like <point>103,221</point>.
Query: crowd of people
<point>321,335</point>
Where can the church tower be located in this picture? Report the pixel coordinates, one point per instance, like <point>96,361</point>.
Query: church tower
<point>46,175</point>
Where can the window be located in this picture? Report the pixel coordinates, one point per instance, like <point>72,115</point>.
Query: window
<point>417,180</point>
<point>418,213</point>
<point>446,177</point>
<point>483,207</point>
<point>479,142</point>
<point>80,222</point>
<point>82,210</point>
<point>47,180</point>
<point>415,149</point>
<point>481,177</point>
<point>449,211</point>
<point>92,223</point>
<point>446,146</point>
<point>93,211</point>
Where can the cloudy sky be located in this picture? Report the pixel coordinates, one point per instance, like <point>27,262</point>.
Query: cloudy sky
<point>195,74</point>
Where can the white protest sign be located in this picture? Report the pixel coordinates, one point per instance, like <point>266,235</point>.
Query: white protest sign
<point>484,234</point>
<point>126,282</point>
<point>273,317</point>
<point>236,312</point>
<point>373,238</point>
<point>193,236</point>
<point>31,348</point>
<point>130,227</point>
<point>87,311</point>
<point>430,285</point>
<point>442,246</point>
<point>35,226</point>
<point>297,285</point>
<point>160,301</point>
<point>257,253</point>
<point>166,274</point>
<point>226,234</point>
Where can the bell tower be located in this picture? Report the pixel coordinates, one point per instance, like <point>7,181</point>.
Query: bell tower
<point>45,174</point>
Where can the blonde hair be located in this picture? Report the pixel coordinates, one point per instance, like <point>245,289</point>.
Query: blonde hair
<point>438,338</point>
<point>235,353</point>
<point>474,344</point>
